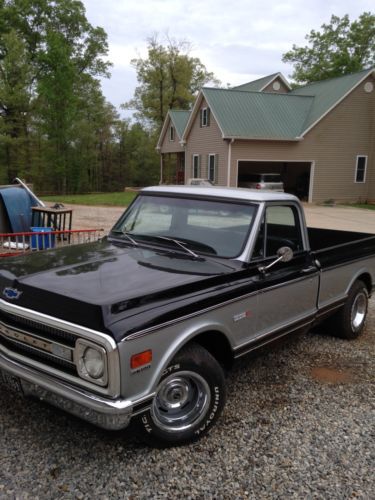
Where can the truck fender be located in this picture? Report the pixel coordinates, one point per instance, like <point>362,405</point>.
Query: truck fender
<point>185,336</point>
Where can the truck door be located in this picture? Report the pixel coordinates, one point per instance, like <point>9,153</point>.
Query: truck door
<point>288,291</point>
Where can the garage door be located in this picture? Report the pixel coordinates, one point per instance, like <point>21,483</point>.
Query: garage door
<point>296,176</point>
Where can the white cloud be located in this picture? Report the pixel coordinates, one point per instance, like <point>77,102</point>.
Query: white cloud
<point>238,41</point>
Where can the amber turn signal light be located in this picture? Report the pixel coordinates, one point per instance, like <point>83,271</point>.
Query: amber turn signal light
<point>141,359</point>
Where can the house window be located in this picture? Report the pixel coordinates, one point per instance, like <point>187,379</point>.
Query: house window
<point>171,133</point>
<point>205,117</point>
<point>196,166</point>
<point>360,171</point>
<point>212,161</point>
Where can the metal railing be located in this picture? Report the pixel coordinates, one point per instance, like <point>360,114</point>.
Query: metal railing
<point>12,244</point>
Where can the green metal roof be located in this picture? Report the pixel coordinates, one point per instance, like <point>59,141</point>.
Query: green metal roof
<point>327,93</point>
<point>179,119</point>
<point>258,115</point>
<point>256,85</point>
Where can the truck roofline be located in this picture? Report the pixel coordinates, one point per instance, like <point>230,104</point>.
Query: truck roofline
<point>242,194</point>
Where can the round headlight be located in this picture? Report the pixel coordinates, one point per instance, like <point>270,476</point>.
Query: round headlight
<point>94,362</point>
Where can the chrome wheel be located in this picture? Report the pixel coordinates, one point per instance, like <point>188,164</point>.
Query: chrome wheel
<point>182,401</point>
<point>358,312</point>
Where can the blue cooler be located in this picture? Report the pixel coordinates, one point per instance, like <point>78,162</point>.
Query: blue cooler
<point>42,241</point>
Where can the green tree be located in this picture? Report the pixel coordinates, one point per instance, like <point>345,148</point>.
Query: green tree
<point>341,47</point>
<point>63,54</point>
<point>168,78</point>
<point>15,104</point>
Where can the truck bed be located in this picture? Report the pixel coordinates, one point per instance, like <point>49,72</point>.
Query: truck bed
<point>332,247</point>
<point>323,239</point>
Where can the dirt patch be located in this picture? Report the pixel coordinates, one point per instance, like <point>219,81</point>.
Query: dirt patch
<point>331,375</point>
<point>85,217</point>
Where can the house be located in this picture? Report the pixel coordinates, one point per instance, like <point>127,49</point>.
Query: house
<point>320,137</point>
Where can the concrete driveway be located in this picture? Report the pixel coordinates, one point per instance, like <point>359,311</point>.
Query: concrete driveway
<point>343,218</point>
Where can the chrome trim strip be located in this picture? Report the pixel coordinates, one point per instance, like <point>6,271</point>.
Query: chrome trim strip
<point>286,283</point>
<point>346,263</point>
<point>322,307</point>
<point>291,327</point>
<point>109,344</point>
<point>146,331</point>
<point>327,309</point>
<point>269,340</point>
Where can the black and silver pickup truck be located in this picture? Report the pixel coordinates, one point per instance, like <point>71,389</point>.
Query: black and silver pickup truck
<point>143,324</point>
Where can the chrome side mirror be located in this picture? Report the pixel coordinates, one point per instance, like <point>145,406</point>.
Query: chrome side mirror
<point>284,254</point>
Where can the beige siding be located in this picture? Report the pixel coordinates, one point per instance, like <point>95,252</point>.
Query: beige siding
<point>205,141</point>
<point>333,146</point>
<point>282,90</point>
<point>168,146</point>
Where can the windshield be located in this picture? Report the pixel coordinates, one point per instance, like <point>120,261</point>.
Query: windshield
<point>202,226</point>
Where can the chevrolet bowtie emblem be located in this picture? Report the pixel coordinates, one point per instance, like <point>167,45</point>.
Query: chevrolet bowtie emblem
<point>11,293</point>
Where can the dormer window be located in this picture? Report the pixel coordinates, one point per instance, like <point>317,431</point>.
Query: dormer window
<point>205,117</point>
<point>171,133</point>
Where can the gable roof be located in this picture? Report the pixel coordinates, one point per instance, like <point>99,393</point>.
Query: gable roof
<point>328,94</point>
<point>244,114</point>
<point>257,115</point>
<point>179,118</point>
<point>261,83</point>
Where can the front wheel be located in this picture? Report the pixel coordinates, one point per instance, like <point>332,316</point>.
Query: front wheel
<point>188,400</point>
<point>349,322</point>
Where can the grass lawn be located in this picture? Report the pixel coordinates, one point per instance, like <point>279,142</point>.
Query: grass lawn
<point>110,199</point>
<point>367,206</point>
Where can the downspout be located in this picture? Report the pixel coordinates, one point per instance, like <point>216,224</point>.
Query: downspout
<point>371,160</point>
<point>183,145</point>
<point>229,161</point>
<point>161,165</point>
<point>311,183</point>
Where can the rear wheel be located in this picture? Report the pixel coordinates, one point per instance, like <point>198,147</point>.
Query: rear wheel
<point>349,322</point>
<point>189,399</point>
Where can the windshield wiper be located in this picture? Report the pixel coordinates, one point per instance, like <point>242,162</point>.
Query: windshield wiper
<point>172,240</point>
<point>126,235</point>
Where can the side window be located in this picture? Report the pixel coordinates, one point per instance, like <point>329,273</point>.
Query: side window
<point>280,228</point>
<point>171,133</point>
<point>360,171</point>
<point>212,167</point>
<point>196,166</point>
<point>205,117</point>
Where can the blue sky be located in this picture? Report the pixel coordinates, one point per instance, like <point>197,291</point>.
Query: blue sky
<point>239,41</point>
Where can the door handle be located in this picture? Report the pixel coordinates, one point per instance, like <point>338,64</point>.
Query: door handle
<point>308,270</point>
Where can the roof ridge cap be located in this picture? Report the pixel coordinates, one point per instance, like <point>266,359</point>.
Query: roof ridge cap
<point>335,78</point>
<point>258,92</point>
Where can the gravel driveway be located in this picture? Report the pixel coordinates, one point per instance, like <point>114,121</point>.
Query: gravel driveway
<point>299,423</point>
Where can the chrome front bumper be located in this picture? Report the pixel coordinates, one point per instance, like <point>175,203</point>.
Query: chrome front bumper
<point>106,413</point>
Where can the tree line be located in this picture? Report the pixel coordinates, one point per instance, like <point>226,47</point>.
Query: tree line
<point>56,128</point>
<point>59,132</point>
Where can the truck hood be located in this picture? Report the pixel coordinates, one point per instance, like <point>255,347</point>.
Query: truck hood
<point>99,284</point>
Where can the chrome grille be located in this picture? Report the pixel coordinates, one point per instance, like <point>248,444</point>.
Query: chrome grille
<point>41,329</point>
<point>48,344</point>
<point>36,346</point>
<point>38,355</point>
